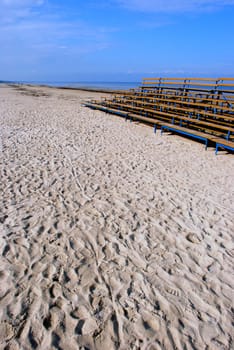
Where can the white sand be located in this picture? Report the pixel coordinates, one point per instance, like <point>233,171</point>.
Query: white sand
<point>111,237</point>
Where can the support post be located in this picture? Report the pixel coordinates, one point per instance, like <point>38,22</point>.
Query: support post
<point>228,135</point>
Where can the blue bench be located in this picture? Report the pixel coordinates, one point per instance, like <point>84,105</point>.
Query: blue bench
<point>184,131</point>
<point>222,144</point>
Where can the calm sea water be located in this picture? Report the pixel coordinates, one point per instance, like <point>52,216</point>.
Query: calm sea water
<point>105,85</point>
<point>94,85</point>
<point>101,85</point>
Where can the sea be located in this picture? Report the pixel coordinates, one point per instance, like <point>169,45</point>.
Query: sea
<point>99,85</point>
<point>105,85</point>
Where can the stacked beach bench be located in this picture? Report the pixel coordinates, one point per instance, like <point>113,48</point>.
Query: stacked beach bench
<point>200,108</point>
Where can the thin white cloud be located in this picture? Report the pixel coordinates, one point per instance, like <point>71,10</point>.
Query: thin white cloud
<point>47,35</point>
<point>174,5</point>
<point>29,29</point>
<point>13,10</point>
<point>20,3</point>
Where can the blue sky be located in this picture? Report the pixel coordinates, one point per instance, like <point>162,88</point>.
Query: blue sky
<point>115,40</point>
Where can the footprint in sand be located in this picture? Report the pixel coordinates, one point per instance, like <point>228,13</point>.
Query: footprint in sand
<point>6,332</point>
<point>193,238</point>
<point>173,291</point>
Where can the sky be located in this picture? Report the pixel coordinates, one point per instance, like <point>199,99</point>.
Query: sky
<point>115,40</point>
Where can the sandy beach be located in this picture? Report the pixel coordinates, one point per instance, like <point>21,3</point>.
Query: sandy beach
<point>111,237</point>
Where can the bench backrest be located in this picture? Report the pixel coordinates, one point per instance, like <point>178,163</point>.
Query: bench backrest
<point>214,84</point>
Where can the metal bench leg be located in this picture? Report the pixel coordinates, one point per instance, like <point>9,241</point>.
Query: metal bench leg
<point>206,143</point>
<point>216,149</point>
<point>155,128</point>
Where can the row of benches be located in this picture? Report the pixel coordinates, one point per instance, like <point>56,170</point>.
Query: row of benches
<point>220,142</point>
<point>167,109</point>
<point>213,104</point>
<point>205,115</point>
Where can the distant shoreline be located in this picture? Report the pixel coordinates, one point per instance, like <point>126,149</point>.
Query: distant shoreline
<point>75,88</point>
<point>110,91</point>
